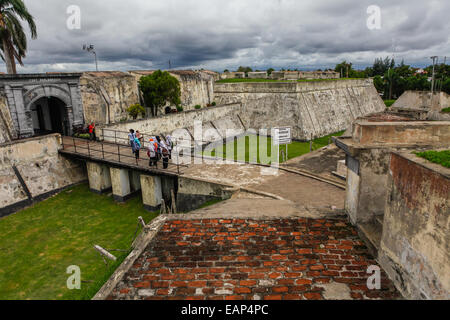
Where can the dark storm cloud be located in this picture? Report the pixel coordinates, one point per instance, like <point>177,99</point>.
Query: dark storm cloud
<point>220,34</point>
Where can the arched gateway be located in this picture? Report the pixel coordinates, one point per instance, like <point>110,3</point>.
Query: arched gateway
<point>43,103</point>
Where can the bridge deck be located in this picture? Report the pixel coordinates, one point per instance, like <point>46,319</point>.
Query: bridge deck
<point>117,155</point>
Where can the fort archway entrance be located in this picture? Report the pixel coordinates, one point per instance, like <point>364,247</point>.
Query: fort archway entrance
<point>43,103</point>
<point>49,115</point>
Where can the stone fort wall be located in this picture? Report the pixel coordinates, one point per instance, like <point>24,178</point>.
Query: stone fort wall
<point>42,170</point>
<point>316,108</point>
<point>107,95</point>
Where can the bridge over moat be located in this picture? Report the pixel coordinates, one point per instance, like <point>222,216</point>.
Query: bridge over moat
<point>112,167</point>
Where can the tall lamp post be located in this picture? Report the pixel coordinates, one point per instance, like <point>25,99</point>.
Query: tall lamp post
<point>434,58</point>
<point>90,48</point>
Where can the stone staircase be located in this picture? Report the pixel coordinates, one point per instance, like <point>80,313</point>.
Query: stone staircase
<point>371,233</point>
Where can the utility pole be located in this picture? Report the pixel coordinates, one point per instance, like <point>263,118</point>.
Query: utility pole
<point>434,58</point>
<point>91,49</point>
<point>432,80</point>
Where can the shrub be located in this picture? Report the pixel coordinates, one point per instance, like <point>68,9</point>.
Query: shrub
<point>446,110</point>
<point>198,107</point>
<point>86,136</point>
<point>180,109</point>
<point>135,110</point>
<point>214,104</point>
<point>439,157</point>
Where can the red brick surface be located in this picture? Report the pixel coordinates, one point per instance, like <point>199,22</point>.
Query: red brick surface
<point>250,259</point>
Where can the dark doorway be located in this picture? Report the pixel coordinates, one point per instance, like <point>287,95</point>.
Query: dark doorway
<point>50,116</point>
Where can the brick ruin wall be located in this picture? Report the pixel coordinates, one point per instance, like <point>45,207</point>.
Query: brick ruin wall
<point>414,248</point>
<point>311,108</point>
<point>40,166</point>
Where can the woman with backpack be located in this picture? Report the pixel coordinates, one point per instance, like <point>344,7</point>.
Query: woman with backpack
<point>152,153</point>
<point>165,154</point>
<point>134,143</point>
<point>169,144</point>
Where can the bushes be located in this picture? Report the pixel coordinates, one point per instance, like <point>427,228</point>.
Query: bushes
<point>439,157</point>
<point>86,136</point>
<point>180,109</point>
<point>135,110</point>
<point>198,107</point>
<point>446,110</point>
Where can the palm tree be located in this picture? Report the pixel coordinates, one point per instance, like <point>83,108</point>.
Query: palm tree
<point>13,42</point>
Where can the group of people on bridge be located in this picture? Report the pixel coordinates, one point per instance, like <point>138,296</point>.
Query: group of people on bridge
<point>158,148</point>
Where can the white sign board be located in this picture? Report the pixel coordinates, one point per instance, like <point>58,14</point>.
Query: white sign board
<point>282,136</point>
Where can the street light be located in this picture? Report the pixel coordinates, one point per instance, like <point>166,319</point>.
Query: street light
<point>90,48</point>
<point>434,58</point>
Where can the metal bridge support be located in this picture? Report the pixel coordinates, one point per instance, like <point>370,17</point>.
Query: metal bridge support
<point>151,192</point>
<point>99,177</point>
<point>121,187</point>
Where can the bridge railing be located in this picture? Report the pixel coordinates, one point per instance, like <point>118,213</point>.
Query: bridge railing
<point>106,151</point>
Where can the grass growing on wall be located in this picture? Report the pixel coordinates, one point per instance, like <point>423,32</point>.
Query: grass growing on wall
<point>446,110</point>
<point>39,243</point>
<point>389,103</point>
<point>264,146</point>
<point>438,157</point>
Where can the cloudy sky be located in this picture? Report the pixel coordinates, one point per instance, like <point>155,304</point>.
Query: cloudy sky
<point>219,34</point>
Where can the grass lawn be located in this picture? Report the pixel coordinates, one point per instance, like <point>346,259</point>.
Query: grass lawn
<point>273,80</point>
<point>389,103</point>
<point>39,243</point>
<point>439,157</point>
<point>263,145</point>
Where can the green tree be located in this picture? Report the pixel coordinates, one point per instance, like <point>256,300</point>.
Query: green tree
<point>380,66</point>
<point>446,86</point>
<point>344,68</point>
<point>244,69</point>
<point>379,84</point>
<point>13,42</point>
<point>270,70</point>
<point>135,110</point>
<point>158,89</point>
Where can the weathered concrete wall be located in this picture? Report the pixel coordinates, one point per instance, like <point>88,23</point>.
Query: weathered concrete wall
<point>232,75</point>
<point>99,177</point>
<point>424,132</point>
<point>43,170</point>
<point>314,108</point>
<point>106,96</point>
<point>306,75</point>
<point>192,193</point>
<point>197,87</point>
<point>7,130</point>
<point>257,75</point>
<point>368,158</point>
<point>422,100</point>
<point>171,122</point>
<point>415,246</point>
